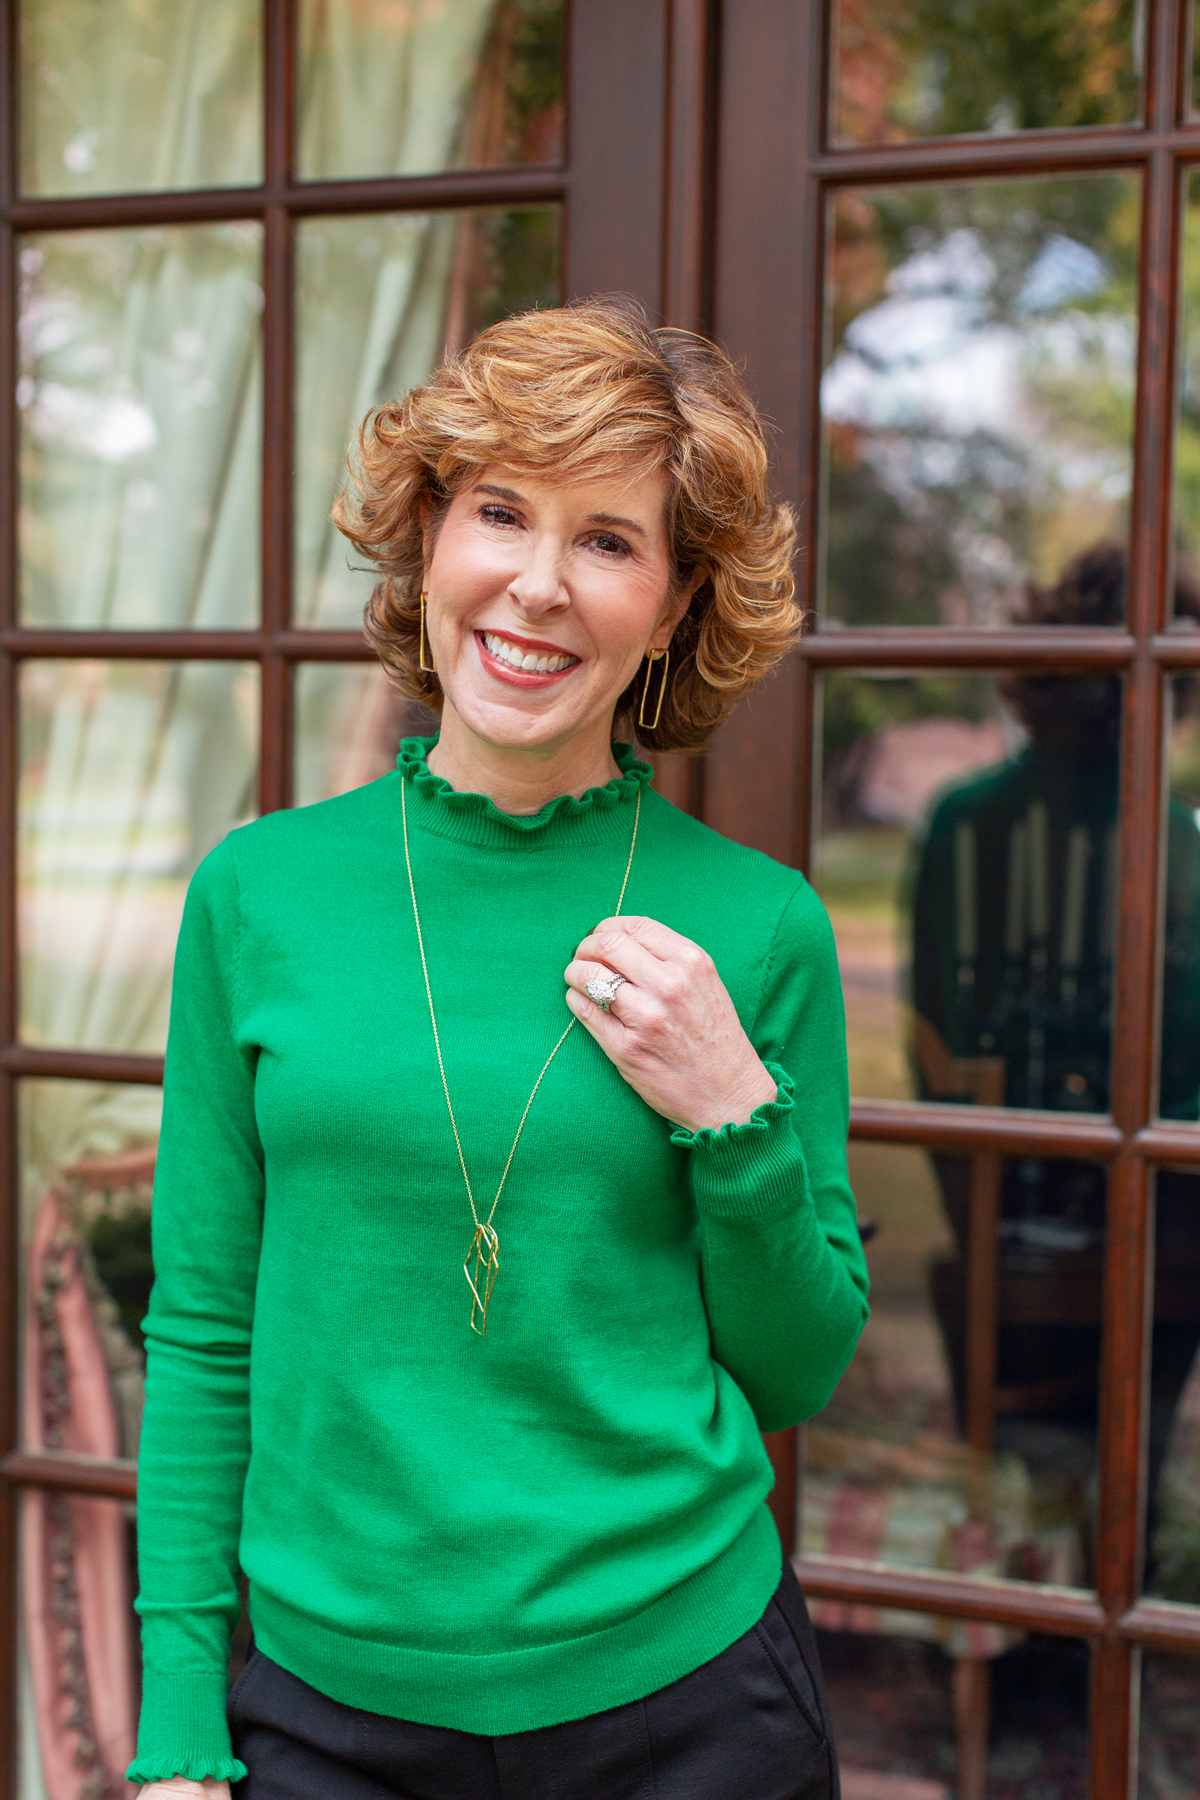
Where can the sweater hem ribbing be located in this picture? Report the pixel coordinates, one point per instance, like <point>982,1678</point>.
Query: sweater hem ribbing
<point>498,1694</point>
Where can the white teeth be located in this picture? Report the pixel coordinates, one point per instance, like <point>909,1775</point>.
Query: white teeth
<point>516,658</point>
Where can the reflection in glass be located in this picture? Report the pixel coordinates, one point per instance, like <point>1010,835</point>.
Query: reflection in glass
<point>381,299</point>
<point>1173,1513</point>
<point>920,68</point>
<point>349,722</point>
<point>1187,442</point>
<point>967,857</point>
<point>913,1722</point>
<point>962,1438</point>
<point>977,401</point>
<point>87,1163</point>
<point>409,90</point>
<point>140,398</point>
<point>1169,1746</point>
<point>129,774</point>
<point>78,1664</point>
<point>950,1444</point>
<point>140,94</point>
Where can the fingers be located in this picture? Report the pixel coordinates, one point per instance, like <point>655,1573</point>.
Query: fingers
<point>579,972</point>
<point>658,939</point>
<point>626,955</point>
<point>615,940</point>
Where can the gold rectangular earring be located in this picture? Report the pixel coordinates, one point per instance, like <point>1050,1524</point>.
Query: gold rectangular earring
<point>651,657</point>
<point>426,668</point>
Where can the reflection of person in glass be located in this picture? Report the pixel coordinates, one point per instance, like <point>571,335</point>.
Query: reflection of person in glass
<point>507,1535</point>
<point>1014,930</point>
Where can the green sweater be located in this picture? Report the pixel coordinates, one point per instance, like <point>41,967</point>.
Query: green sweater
<point>496,1533</point>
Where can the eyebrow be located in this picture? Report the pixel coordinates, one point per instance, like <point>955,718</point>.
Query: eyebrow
<point>597,518</point>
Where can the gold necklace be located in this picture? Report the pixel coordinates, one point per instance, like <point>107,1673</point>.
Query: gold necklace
<point>485,1245</point>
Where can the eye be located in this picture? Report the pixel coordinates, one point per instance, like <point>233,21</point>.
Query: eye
<point>498,515</point>
<point>609,543</point>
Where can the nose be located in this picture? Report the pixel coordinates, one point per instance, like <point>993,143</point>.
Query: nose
<point>538,587</point>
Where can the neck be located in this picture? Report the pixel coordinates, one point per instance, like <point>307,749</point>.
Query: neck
<point>521,779</point>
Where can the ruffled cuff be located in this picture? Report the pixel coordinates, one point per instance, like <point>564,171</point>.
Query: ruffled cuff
<point>183,1729</point>
<point>754,1170</point>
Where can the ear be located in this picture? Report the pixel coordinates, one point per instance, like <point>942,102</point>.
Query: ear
<point>674,609</point>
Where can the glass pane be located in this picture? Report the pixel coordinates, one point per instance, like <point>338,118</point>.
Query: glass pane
<point>381,299</point>
<point>349,723</point>
<point>978,399</point>
<point>87,1154</point>
<point>966,853</point>
<point>1169,1747</point>
<point>1180,1057</point>
<point>943,1448</point>
<point>78,1669</point>
<point>140,94</point>
<point>141,403</point>
<point>1187,444</point>
<point>920,68</point>
<point>130,772</point>
<point>924,1709</point>
<point>1173,1498</point>
<point>408,90</point>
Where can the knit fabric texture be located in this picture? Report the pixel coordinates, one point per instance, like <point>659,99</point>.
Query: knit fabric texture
<point>497,1533</point>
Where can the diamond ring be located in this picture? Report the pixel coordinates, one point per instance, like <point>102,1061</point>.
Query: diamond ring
<point>602,989</point>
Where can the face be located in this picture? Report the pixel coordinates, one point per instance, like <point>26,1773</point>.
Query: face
<point>543,598</point>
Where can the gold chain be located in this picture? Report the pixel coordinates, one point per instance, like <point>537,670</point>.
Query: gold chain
<point>485,1244</point>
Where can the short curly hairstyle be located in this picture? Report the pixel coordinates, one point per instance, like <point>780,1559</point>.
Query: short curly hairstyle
<point>587,390</point>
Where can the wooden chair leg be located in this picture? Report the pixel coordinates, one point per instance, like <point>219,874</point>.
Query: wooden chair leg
<point>972,1714</point>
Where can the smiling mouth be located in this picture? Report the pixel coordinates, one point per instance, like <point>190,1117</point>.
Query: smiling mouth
<point>525,658</point>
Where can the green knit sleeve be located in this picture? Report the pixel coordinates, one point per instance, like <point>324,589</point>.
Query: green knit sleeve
<point>785,1279</point>
<point>195,1444</point>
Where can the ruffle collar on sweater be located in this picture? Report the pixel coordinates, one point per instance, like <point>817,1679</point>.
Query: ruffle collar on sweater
<point>565,809</point>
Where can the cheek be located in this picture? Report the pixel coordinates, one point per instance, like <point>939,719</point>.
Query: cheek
<point>625,615</point>
<point>466,568</point>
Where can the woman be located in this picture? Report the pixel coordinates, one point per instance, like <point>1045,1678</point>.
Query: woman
<point>507,1536</point>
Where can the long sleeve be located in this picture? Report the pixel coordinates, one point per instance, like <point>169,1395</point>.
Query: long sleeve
<point>196,1437</point>
<point>785,1280</point>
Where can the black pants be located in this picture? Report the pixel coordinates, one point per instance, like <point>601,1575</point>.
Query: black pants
<point>752,1724</point>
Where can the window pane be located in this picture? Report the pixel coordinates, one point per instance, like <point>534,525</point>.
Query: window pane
<point>920,68</point>
<point>349,722</point>
<point>87,1154</point>
<point>141,403</point>
<point>381,299</point>
<point>87,1161</point>
<point>1180,1045</point>
<point>140,94</point>
<point>947,1446</point>
<point>78,1668</point>
<point>408,90</point>
<point>1187,446</point>
<point>966,853</point>
<point>1173,1500</point>
<point>978,398</point>
<point>129,774</point>
<point>919,1702</point>
<point>1169,1750</point>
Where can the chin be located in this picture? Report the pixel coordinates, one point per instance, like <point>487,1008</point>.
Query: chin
<point>523,727</point>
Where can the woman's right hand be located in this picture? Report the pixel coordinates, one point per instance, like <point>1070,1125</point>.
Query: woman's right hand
<point>180,1788</point>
